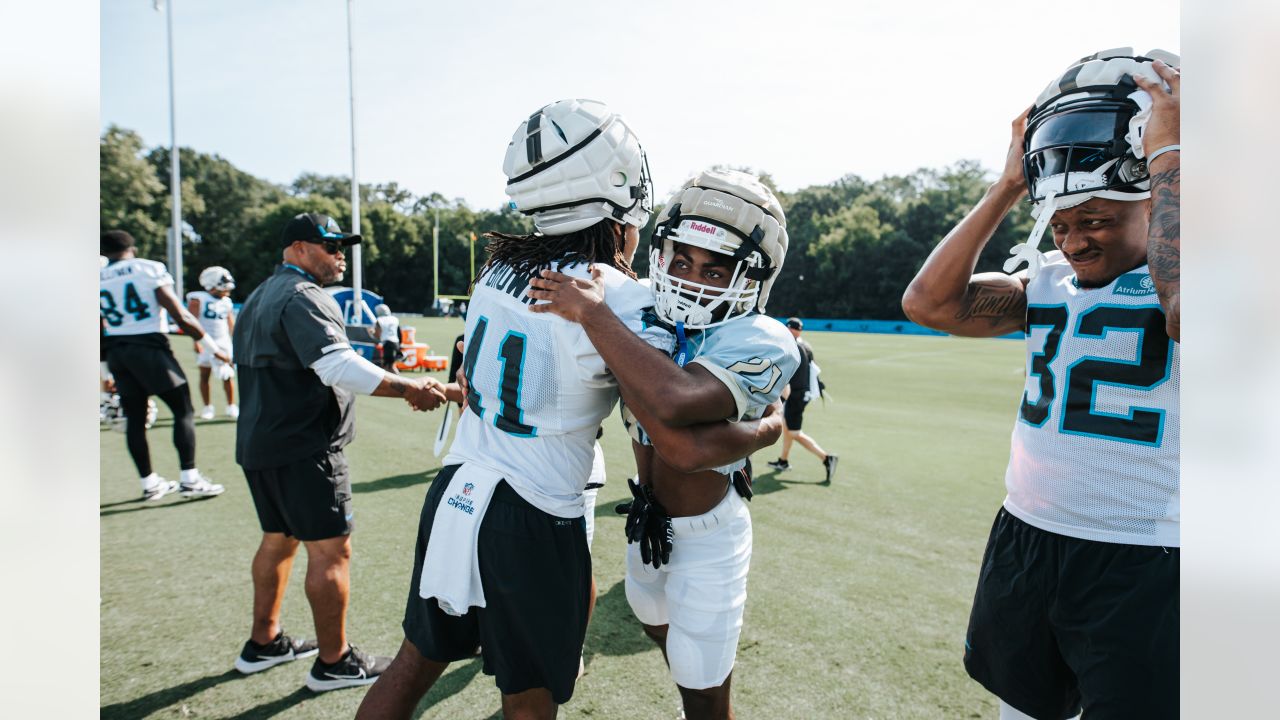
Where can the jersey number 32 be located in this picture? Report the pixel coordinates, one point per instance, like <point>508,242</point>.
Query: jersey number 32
<point>1080,416</point>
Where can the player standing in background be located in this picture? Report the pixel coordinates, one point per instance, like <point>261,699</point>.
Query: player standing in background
<point>716,253</point>
<point>134,295</point>
<point>502,558</point>
<point>800,391</point>
<point>1077,598</point>
<point>386,328</point>
<point>216,313</point>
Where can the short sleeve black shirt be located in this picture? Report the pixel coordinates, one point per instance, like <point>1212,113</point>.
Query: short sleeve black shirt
<point>286,413</point>
<point>799,381</point>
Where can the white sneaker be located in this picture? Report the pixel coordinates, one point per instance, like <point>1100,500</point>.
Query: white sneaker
<point>160,489</point>
<point>201,488</point>
<point>207,413</point>
<point>233,411</point>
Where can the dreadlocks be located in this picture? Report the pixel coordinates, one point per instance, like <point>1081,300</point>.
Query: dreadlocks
<point>531,253</point>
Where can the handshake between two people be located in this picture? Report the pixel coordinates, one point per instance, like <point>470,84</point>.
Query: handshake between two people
<point>424,393</point>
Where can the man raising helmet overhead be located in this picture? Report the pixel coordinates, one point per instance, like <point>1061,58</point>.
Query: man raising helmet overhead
<point>715,256</point>
<point>1077,599</point>
<point>502,559</point>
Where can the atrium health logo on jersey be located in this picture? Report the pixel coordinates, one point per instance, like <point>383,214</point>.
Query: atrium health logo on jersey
<point>463,501</point>
<point>1134,284</point>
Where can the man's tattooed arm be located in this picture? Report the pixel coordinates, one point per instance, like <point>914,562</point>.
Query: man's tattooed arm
<point>995,302</point>
<point>1164,240</point>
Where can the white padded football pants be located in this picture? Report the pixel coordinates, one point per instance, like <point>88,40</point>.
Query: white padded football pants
<point>700,594</point>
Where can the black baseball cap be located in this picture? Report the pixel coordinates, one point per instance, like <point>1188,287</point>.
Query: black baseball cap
<point>313,227</point>
<point>795,324</point>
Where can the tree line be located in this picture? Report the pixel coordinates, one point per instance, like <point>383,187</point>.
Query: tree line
<point>854,243</point>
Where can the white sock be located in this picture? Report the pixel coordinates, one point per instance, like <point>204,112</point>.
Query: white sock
<point>1009,712</point>
<point>190,477</point>
<point>150,481</point>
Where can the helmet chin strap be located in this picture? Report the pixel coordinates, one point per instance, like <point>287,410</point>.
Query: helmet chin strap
<point>1029,251</point>
<point>682,345</point>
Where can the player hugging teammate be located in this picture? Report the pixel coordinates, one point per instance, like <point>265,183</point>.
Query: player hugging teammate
<point>715,255</point>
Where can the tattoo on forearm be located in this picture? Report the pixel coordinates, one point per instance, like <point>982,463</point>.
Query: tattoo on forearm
<point>1164,254</point>
<point>993,303</point>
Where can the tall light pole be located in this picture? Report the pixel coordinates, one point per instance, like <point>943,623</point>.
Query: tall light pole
<point>175,176</point>
<point>357,275</point>
<point>435,261</point>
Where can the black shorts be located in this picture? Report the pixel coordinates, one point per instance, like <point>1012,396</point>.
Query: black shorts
<point>390,352</point>
<point>142,370</point>
<point>1059,623</point>
<point>793,412</point>
<point>309,499</point>
<point>535,569</point>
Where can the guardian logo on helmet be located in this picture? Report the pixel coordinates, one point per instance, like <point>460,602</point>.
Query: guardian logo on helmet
<point>574,163</point>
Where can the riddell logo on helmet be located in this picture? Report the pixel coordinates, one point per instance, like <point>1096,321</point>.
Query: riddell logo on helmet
<point>703,228</point>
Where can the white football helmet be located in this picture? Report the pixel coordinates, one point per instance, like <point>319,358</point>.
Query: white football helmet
<point>217,278</point>
<point>382,310</point>
<point>574,163</point>
<point>727,212</point>
<point>1084,139</point>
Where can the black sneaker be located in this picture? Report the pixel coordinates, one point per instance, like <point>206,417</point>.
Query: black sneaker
<point>779,465</point>
<point>355,668</point>
<point>830,465</point>
<point>256,658</point>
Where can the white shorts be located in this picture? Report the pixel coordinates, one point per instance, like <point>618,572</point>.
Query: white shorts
<point>205,358</point>
<point>589,495</point>
<point>700,594</point>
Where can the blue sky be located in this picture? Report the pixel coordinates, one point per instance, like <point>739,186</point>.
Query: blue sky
<point>807,91</point>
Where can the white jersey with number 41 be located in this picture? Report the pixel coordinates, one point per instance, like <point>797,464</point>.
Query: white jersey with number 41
<point>127,301</point>
<point>538,389</point>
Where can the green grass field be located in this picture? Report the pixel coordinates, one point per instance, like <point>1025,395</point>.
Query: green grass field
<point>858,597</point>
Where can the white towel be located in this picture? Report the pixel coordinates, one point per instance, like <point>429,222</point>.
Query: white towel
<point>447,575</point>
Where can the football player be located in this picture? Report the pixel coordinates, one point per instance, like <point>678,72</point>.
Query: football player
<point>1077,599</point>
<point>386,328</point>
<point>134,296</point>
<point>536,391</point>
<point>216,313</point>
<point>716,253</point>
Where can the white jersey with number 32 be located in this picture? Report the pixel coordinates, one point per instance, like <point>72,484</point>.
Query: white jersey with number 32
<point>1095,446</point>
<point>127,302</point>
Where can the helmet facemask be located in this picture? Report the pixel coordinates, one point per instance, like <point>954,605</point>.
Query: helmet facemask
<point>731,214</point>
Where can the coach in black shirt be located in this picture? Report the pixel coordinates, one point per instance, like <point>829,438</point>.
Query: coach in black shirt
<point>298,376</point>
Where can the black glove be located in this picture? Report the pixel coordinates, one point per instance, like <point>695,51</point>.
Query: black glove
<point>648,524</point>
<point>633,509</point>
<point>742,481</point>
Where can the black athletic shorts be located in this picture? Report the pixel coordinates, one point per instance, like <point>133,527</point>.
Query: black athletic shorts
<point>535,569</point>
<point>390,352</point>
<point>793,412</point>
<point>142,370</point>
<point>1059,623</point>
<point>309,499</point>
